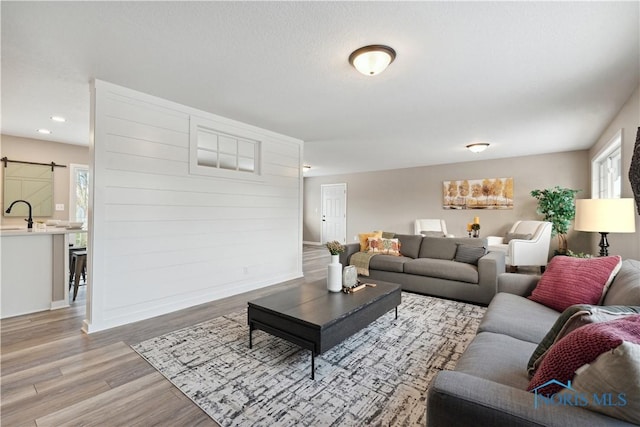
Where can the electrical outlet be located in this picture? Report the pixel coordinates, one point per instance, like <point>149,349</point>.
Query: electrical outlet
<point>59,206</point>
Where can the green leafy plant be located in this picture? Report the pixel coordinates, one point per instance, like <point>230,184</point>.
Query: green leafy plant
<point>335,247</point>
<point>578,254</point>
<point>559,208</point>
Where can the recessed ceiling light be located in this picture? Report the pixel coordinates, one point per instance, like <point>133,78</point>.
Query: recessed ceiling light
<point>59,119</point>
<point>478,147</point>
<point>44,131</point>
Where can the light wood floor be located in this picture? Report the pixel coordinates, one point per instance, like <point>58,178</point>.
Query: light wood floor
<point>52,374</point>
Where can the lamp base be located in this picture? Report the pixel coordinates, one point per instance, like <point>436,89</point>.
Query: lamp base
<point>604,244</point>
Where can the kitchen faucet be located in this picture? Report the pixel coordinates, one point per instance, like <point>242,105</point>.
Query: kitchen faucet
<point>30,219</point>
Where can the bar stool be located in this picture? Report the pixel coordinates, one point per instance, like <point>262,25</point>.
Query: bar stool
<point>78,269</point>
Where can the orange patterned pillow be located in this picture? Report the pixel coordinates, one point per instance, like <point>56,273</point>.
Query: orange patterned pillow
<point>364,239</point>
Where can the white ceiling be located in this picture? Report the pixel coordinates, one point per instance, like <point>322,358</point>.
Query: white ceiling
<point>528,77</point>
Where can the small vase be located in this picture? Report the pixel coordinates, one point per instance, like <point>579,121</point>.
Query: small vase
<point>334,275</point>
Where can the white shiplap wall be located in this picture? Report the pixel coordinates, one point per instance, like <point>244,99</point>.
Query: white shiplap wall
<point>162,239</point>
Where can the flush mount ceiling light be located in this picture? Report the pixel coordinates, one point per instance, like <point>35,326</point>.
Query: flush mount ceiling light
<point>373,59</point>
<point>478,147</point>
<point>44,131</point>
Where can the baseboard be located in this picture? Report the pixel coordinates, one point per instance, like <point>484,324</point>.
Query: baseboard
<point>56,305</point>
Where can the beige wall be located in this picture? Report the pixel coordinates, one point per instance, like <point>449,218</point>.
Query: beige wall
<point>35,150</point>
<point>392,200</point>
<point>628,119</point>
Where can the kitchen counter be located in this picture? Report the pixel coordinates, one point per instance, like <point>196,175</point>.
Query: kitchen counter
<point>23,231</point>
<point>35,269</point>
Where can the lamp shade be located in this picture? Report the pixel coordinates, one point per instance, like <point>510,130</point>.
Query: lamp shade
<point>605,215</point>
<point>372,60</point>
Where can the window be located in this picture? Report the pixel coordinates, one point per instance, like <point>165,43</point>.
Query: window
<point>79,200</point>
<point>218,150</point>
<point>221,153</point>
<point>607,170</point>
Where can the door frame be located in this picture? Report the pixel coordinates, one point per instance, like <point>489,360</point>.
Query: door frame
<point>322,232</point>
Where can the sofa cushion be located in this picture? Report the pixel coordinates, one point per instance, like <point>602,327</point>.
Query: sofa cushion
<point>498,358</point>
<point>469,254</point>
<point>518,317</point>
<point>409,244</point>
<point>388,263</point>
<point>625,288</point>
<point>568,281</point>
<point>445,247</point>
<point>571,319</point>
<point>442,269</point>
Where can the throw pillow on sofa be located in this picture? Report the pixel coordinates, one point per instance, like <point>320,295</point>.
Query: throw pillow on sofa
<point>599,364</point>
<point>568,281</point>
<point>571,319</point>
<point>384,246</point>
<point>469,254</point>
<point>364,239</point>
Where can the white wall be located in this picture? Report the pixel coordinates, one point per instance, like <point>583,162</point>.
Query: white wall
<point>162,239</point>
<point>391,200</point>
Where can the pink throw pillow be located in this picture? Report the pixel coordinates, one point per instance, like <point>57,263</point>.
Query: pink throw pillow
<point>568,281</point>
<point>580,347</point>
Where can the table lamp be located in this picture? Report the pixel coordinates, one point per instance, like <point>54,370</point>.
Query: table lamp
<point>605,216</point>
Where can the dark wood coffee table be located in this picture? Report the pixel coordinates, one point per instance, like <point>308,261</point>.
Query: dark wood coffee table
<point>316,319</point>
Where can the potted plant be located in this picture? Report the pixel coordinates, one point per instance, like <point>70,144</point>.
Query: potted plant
<point>559,208</point>
<point>476,230</point>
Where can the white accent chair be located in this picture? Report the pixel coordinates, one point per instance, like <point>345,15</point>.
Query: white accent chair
<point>427,226</point>
<point>524,252</point>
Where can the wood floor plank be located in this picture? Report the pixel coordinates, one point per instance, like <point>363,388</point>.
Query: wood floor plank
<point>52,374</point>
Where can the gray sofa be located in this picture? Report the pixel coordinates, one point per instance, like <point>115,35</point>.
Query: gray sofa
<point>428,266</point>
<point>488,385</point>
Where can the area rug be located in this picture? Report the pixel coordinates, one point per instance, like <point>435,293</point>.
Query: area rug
<point>379,376</point>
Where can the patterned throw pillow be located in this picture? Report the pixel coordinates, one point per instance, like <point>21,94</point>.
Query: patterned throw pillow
<point>571,319</point>
<point>596,360</point>
<point>568,281</point>
<point>469,254</point>
<point>384,246</point>
<point>364,239</point>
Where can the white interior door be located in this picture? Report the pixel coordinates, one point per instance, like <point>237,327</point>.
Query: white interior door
<point>334,212</point>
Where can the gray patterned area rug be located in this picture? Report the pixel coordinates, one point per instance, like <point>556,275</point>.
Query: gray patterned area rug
<point>379,376</point>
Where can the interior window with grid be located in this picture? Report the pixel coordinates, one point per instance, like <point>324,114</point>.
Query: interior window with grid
<point>223,151</point>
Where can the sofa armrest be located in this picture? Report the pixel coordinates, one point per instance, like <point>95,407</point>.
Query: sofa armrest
<point>489,268</point>
<point>517,284</point>
<point>349,249</point>
<point>459,399</point>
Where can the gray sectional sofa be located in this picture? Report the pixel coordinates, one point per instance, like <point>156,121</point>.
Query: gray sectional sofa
<point>428,266</point>
<point>488,385</point>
